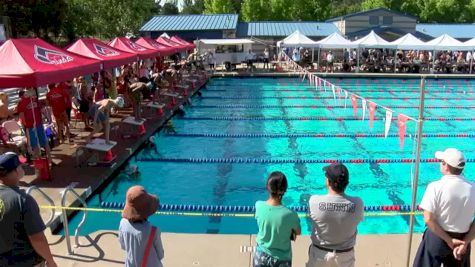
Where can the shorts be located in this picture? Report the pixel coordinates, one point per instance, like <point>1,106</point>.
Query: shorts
<point>83,106</point>
<point>101,117</point>
<point>34,138</point>
<point>262,259</point>
<point>61,118</point>
<point>321,258</point>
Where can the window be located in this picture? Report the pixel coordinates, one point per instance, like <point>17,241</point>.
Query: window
<point>373,20</point>
<point>387,20</point>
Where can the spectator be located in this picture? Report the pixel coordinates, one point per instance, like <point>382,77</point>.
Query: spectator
<point>335,217</point>
<point>277,224</point>
<point>22,241</point>
<point>330,61</point>
<point>85,100</point>
<point>140,239</point>
<point>296,55</point>
<point>449,209</point>
<point>58,100</point>
<point>266,58</point>
<point>250,58</point>
<point>30,116</point>
<point>4,103</point>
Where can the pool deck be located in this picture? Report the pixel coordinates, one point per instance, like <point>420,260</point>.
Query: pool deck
<point>214,250</point>
<point>102,248</point>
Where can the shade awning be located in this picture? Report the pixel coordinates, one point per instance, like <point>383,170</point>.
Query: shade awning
<point>297,39</point>
<point>410,42</point>
<point>125,44</point>
<point>372,40</point>
<point>170,43</point>
<point>446,42</point>
<point>34,62</point>
<point>335,40</point>
<point>226,41</point>
<point>177,39</point>
<point>109,56</point>
<point>149,43</point>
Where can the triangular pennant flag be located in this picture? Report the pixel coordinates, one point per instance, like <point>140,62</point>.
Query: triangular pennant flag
<point>354,103</point>
<point>401,124</point>
<point>372,109</point>
<point>363,104</point>
<point>387,123</point>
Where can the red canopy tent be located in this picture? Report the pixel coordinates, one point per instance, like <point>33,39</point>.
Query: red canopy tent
<point>34,62</point>
<point>177,39</point>
<point>152,44</point>
<point>166,41</point>
<point>109,56</point>
<point>124,44</point>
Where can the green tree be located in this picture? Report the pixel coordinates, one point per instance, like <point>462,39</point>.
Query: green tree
<point>255,10</point>
<point>193,7</point>
<point>169,8</point>
<point>219,7</point>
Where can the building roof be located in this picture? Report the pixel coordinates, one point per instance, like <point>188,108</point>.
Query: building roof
<point>367,12</point>
<point>191,23</point>
<point>285,28</point>
<point>464,31</point>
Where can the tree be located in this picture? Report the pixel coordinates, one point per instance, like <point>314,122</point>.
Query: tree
<point>219,7</point>
<point>255,10</point>
<point>169,8</point>
<point>193,7</point>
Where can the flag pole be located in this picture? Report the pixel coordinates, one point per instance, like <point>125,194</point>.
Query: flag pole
<point>416,169</point>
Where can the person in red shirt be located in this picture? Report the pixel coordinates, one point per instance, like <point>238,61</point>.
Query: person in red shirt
<point>58,99</point>
<point>30,117</point>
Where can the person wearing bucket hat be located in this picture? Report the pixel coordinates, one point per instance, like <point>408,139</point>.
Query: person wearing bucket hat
<point>100,112</point>
<point>449,209</point>
<point>134,229</point>
<point>22,241</point>
<point>335,217</point>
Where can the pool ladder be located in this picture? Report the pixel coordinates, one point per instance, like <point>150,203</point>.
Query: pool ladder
<point>48,199</point>
<point>64,217</point>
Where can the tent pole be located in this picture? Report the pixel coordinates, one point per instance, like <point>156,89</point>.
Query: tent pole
<point>313,55</point>
<point>394,60</point>
<point>415,180</point>
<point>318,60</point>
<point>433,62</point>
<point>358,61</point>
<point>471,64</point>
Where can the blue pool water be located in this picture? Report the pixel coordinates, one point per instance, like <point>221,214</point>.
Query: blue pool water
<point>244,183</point>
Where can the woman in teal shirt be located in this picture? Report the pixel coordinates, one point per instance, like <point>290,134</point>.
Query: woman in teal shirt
<point>277,224</point>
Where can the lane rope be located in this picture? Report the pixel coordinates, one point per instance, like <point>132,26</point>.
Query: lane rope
<point>284,161</point>
<point>259,118</point>
<point>331,97</point>
<point>324,106</point>
<point>311,135</point>
<point>216,214</point>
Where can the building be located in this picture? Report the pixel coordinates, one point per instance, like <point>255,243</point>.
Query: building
<point>387,23</point>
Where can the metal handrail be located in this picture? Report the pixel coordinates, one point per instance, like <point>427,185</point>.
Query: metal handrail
<point>51,202</point>
<point>64,216</point>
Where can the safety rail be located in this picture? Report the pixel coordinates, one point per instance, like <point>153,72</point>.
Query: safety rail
<point>64,216</point>
<point>43,194</point>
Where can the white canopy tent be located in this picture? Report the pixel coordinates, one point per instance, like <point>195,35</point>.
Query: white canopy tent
<point>226,41</point>
<point>335,40</point>
<point>410,42</point>
<point>470,43</point>
<point>372,40</point>
<point>165,35</point>
<point>446,42</point>
<point>297,39</point>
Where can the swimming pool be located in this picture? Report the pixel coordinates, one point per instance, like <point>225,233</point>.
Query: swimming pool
<point>268,124</point>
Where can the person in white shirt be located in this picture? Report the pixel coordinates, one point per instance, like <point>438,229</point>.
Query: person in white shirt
<point>266,58</point>
<point>449,209</point>
<point>330,61</point>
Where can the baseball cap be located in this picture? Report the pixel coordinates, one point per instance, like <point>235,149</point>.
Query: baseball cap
<point>337,173</point>
<point>9,161</point>
<point>452,157</point>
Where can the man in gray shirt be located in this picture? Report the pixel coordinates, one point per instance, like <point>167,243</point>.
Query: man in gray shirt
<point>335,217</point>
<point>22,241</point>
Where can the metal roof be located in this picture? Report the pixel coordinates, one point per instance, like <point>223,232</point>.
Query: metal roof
<point>366,12</point>
<point>191,23</point>
<point>465,31</point>
<point>285,28</point>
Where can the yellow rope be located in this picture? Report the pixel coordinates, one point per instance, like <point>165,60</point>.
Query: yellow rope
<point>217,214</point>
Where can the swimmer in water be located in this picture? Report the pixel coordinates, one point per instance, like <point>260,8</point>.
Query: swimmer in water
<point>169,128</point>
<point>133,171</point>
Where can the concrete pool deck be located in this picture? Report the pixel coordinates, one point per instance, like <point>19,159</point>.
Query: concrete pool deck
<point>185,249</point>
<point>214,250</point>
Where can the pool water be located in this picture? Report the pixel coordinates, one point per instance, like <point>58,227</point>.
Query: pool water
<point>280,98</point>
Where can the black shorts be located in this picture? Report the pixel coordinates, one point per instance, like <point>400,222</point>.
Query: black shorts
<point>83,106</point>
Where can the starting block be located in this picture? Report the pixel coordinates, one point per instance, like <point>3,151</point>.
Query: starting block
<point>158,106</point>
<point>139,124</point>
<point>98,146</point>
